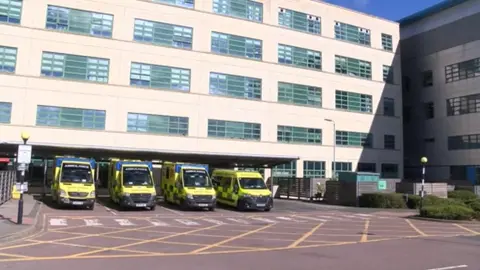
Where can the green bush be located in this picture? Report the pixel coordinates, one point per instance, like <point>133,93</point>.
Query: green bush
<point>413,201</point>
<point>447,211</point>
<point>462,195</point>
<point>475,206</point>
<point>382,200</point>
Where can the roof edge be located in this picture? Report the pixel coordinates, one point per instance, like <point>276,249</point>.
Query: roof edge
<point>418,16</point>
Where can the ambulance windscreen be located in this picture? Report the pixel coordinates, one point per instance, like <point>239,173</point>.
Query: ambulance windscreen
<point>252,183</point>
<point>196,178</point>
<point>76,173</point>
<point>136,176</point>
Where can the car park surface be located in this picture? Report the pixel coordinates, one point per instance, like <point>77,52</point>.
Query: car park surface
<point>277,239</point>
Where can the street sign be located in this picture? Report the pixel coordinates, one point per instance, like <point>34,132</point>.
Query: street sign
<point>24,154</point>
<point>21,187</point>
<point>382,185</point>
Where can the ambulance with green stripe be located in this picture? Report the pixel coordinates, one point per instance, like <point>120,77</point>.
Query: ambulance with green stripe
<point>241,189</point>
<point>188,185</point>
<point>130,184</point>
<point>73,182</point>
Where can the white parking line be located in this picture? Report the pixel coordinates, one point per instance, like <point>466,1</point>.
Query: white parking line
<point>58,222</point>
<point>92,222</point>
<point>214,221</point>
<point>264,220</point>
<point>158,223</point>
<point>124,222</point>
<point>238,220</point>
<point>172,211</point>
<point>187,222</point>
<point>450,267</point>
<point>111,211</point>
<point>312,218</point>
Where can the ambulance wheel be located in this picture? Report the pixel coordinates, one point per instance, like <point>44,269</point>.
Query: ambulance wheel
<point>211,209</point>
<point>91,207</point>
<point>153,208</point>
<point>267,209</point>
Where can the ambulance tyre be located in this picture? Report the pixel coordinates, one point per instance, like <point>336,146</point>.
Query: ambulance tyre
<point>267,209</point>
<point>211,209</point>
<point>91,207</point>
<point>152,208</point>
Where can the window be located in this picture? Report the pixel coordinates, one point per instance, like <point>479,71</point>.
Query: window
<point>302,135</point>
<point>427,78</point>
<point>354,102</point>
<point>389,142</point>
<point>299,57</point>
<point>464,142</point>
<point>462,71</point>
<point>79,21</point>
<point>285,170</point>
<point>235,86</point>
<point>299,21</point>
<point>11,11</point>
<point>352,33</point>
<point>366,167</point>
<point>8,59</point>
<point>429,110</point>
<point>75,67</point>
<point>70,117</point>
<point>236,46</point>
<point>463,105</point>
<point>353,67</point>
<point>342,166</point>
<point>163,34</point>
<point>388,74</point>
<point>388,106</point>
<point>245,9</point>
<point>234,130</point>
<point>349,138</point>
<point>299,94</point>
<point>180,3</point>
<point>389,170</point>
<point>158,124</point>
<point>314,169</point>
<point>387,42</point>
<point>5,112</point>
<point>160,77</point>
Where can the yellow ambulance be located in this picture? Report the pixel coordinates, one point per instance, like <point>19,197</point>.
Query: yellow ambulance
<point>241,189</point>
<point>188,185</point>
<point>130,184</point>
<point>73,182</point>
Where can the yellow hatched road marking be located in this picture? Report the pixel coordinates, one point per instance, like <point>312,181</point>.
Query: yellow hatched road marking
<point>415,228</point>
<point>305,236</point>
<point>365,232</point>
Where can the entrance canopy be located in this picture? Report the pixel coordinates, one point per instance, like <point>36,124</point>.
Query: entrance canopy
<point>213,159</point>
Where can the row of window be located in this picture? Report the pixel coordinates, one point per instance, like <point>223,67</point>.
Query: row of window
<point>317,169</point>
<point>454,72</point>
<point>98,24</point>
<point>101,24</point>
<point>464,142</point>
<point>177,125</point>
<point>84,68</point>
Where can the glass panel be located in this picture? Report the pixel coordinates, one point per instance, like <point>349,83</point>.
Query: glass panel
<point>352,33</point>
<point>285,170</point>
<point>314,169</point>
<point>8,59</point>
<point>160,77</point>
<point>236,46</point>
<point>299,94</point>
<point>163,34</point>
<point>5,112</point>
<point>351,101</point>
<point>70,117</point>
<point>245,9</point>
<point>159,124</point>
<point>463,105</point>
<point>387,42</point>
<point>79,21</point>
<point>299,21</point>
<point>302,135</point>
<point>234,130</point>
<point>388,74</point>
<point>464,142</point>
<point>389,141</point>
<point>463,70</point>
<point>75,67</point>
<point>11,11</point>
<point>235,86</point>
<point>349,138</point>
<point>299,57</point>
<point>389,170</point>
<point>180,3</point>
<point>388,106</point>
<point>353,67</point>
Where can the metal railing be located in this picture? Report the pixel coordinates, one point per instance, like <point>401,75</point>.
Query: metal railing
<point>7,180</point>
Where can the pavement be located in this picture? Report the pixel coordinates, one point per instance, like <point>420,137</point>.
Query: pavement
<point>293,235</point>
<point>9,229</point>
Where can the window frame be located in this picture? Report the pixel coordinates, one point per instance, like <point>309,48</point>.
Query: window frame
<point>183,41</point>
<point>343,31</point>
<point>249,5</point>
<point>345,138</point>
<point>181,120</point>
<point>294,18</point>
<point>292,93</point>
<point>255,50</point>
<point>138,66</point>
<point>314,169</point>
<point>255,93</point>
<point>387,42</point>
<point>8,18</point>
<point>60,111</point>
<point>299,135</point>
<point>343,101</point>
<point>286,52</point>
<point>344,68</point>
<point>4,59</point>
<point>245,126</point>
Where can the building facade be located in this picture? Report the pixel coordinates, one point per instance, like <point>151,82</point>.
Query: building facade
<point>441,67</point>
<point>242,77</point>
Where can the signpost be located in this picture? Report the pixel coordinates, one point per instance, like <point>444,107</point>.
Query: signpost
<point>24,157</point>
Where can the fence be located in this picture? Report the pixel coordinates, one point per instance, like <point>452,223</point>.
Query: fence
<point>300,188</point>
<point>7,181</point>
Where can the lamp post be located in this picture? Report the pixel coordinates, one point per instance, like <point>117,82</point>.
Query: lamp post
<point>334,169</point>
<point>424,161</point>
<point>23,157</point>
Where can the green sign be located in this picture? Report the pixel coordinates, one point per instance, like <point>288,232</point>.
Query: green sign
<point>382,185</point>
